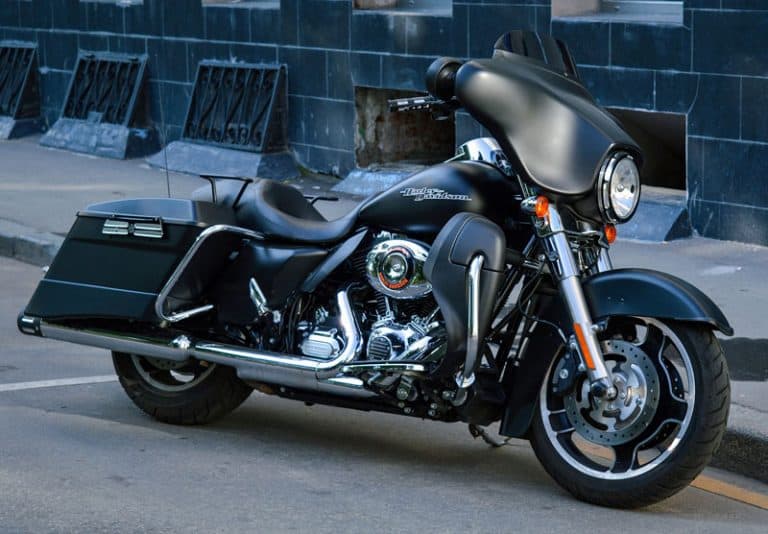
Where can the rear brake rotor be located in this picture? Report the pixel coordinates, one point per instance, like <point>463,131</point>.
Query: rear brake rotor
<point>624,418</point>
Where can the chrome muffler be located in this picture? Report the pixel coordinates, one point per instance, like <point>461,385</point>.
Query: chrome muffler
<point>252,365</point>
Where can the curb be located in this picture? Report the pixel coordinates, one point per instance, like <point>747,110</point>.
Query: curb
<point>27,244</point>
<point>744,449</point>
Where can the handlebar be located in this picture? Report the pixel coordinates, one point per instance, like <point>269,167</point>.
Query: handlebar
<point>413,104</point>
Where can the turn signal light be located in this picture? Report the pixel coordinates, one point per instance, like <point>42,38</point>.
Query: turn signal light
<point>610,233</point>
<point>541,209</point>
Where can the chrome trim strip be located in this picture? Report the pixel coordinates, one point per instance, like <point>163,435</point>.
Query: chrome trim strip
<point>113,227</point>
<point>184,263</point>
<point>151,230</point>
<point>387,367</point>
<point>180,316</point>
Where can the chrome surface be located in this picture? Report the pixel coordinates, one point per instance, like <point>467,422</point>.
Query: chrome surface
<point>322,343</point>
<point>251,364</point>
<point>566,270</point>
<point>180,316</point>
<point>400,341</point>
<point>604,262</point>
<point>618,193</point>
<point>485,149</point>
<point>257,297</point>
<point>617,421</point>
<point>114,227</point>
<point>185,261</point>
<point>272,363</point>
<point>395,267</point>
<point>467,377</point>
<point>626,462</point>
<point>390,367</point>
<point>151,230</point>
<point>137,229</point>
<point>28,325</point>
<point>118,342</point>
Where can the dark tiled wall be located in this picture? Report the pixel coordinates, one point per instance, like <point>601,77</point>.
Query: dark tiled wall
<point>713,68</point>
<point>328,47</point>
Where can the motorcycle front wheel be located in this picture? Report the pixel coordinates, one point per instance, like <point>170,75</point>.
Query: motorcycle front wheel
<point>180,393</point>
<point>657,435</point>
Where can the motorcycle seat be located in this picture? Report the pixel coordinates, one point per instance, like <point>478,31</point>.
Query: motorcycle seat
<point>281,211</point>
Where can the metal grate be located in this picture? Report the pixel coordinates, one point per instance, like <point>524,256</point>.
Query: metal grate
<point>238,106</point>
<point>105,88</point>
<point>19,88</point>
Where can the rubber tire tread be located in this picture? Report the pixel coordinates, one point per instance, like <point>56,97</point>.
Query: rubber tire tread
<point>692,455</point>
<point>216,396</point>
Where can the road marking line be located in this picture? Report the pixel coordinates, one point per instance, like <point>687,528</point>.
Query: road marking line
<point>724,489</point>
<point>709,484</point>
<point>18,386</point>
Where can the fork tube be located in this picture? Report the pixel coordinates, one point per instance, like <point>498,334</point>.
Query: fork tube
<point>566,271</point>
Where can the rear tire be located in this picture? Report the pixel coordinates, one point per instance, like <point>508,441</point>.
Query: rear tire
<point>630,483</point>
<point>192,393</point>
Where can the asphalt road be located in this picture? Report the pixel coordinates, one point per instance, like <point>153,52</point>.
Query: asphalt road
<point>82,458</point>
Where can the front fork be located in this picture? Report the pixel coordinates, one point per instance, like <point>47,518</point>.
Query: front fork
<point>566,271</point>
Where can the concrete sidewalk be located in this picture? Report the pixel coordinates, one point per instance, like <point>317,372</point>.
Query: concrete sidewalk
<point>41,190</point>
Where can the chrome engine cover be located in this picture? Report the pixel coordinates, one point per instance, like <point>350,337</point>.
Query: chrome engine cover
<point>390,340</point>
<point>395,267</point>
<point>322,343</point>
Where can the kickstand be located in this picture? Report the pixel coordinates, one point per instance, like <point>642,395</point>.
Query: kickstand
<point>493,441</point>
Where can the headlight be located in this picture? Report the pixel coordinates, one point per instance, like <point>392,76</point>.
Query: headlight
<point>618,188</point>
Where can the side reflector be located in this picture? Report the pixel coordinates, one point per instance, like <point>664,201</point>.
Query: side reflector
<point>583,345</point>
<point>610,233</point>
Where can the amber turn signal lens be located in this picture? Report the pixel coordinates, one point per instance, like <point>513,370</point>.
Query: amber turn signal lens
<point>610,233</point>
<point>542,207</point>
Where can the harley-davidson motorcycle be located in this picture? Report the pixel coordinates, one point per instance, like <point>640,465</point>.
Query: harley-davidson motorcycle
<point>479,290</point>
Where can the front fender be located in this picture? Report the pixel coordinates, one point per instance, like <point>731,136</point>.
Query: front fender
<point>622,292</point>
<point>647,293</point>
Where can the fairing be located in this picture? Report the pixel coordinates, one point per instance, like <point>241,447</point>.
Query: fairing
<point>547,124</point>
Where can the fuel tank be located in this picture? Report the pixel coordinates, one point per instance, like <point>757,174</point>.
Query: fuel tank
<point>420,205</point>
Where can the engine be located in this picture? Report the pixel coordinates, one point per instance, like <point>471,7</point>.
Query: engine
<point>398,322</point>
<point>395,267</point>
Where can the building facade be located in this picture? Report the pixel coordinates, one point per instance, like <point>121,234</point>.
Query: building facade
<point>697,68</point>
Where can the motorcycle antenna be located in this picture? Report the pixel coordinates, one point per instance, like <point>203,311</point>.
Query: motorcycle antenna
<point>163,135</point>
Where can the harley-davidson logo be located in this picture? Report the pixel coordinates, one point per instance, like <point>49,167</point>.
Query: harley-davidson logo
<point>429,193</point>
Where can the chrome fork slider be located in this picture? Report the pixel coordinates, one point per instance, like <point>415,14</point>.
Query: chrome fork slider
<point>565,269</point>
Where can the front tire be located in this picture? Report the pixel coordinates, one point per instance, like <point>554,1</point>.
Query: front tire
<point>189,393</point>
<point>636,452</point>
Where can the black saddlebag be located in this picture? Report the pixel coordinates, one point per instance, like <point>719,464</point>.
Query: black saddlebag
<point>118,256</point>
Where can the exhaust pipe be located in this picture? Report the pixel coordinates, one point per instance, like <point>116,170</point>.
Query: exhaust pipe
<point>252,366</point>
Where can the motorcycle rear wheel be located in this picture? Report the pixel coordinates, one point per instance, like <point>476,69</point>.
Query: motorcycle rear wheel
<point>639,452</point>
<point>191,393</point>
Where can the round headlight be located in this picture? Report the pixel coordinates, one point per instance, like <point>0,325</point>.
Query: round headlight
<point>619,188</point>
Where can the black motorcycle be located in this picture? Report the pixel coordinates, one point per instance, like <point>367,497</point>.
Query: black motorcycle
<point>478,290</point>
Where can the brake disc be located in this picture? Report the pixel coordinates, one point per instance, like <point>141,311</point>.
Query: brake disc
<point>624,418</point>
